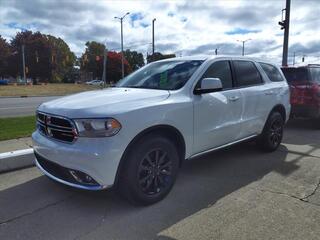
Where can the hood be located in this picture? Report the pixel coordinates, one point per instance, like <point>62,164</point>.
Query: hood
<point>102,103</point>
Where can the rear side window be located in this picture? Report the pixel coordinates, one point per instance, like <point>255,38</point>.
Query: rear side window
<point>272,72</point>
<point>315,74</point>
<point>295,74</point>
<point>247,73</point>
<point>220,70</point>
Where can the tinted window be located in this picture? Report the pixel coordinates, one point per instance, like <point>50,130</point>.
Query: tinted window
<point>220,70</point>
<point>295,74</point>
<point>169,75</point>
<point>247,73</point>
<point>315,74</point>
<point>272,72</point>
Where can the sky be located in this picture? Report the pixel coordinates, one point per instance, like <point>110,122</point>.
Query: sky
<point>182,27</point>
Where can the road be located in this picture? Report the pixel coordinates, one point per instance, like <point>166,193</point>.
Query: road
<point>238,193</point>
<point>13,107</point>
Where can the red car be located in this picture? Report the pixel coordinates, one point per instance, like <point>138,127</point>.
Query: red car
<point>304,85</point>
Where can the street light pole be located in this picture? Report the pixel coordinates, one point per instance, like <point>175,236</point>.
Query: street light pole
<point>153,35</point>
<point>104,74</point>
<point>243,42</point>
<point>122,64</point>
<point>24,65</point>
<point>121,22</point>
<point>243,48</point>
<point>285,25</point>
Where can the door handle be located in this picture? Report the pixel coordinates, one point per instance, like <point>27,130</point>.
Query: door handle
<point>234,98</point>
<point>269,93</point>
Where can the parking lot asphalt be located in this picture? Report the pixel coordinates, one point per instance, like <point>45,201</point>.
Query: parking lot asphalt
<point>237,193</point>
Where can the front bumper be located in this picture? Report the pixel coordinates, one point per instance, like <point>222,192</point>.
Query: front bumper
<point>62,175</point>
<point>96,157</point>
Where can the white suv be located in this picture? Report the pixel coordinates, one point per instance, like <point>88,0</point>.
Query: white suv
<point>135,135</point>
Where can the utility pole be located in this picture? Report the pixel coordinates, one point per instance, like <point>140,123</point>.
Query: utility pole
<point>23,65</point>
<point>153,36</point>
<point>294,58</point>
<point>285,25</point>
<point>243,42</point>
<point>104,74</point>
<point>121,22</point>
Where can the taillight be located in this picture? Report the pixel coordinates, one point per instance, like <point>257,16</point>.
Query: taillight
<point>305,94</point>
<point>315,91</point>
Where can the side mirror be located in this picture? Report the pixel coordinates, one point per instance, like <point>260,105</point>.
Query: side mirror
<point>209,85</point>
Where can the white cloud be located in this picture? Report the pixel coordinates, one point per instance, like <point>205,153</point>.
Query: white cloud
<point>182,27</point>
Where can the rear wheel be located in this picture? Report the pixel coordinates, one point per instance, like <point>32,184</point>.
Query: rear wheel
<point>150,170</point>
<point>272,134</point>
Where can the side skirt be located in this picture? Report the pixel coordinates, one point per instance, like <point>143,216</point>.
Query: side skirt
<point>222,146</point>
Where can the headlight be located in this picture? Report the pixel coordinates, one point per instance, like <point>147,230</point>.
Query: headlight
<point>97,127</point>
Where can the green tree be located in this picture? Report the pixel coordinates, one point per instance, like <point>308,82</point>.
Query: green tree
<point>134,58</point>
<point>92,61</point>
<point>47,58</point>
<point>91,58</point>
<point>159,56</point>
<point>37,55</point>
<point>62,59</point>
<point>5,52</point>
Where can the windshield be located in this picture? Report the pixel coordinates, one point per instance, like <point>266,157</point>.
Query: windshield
<point>169,75</point>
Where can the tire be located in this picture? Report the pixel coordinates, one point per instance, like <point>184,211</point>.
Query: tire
<point>272,133</point>
<point>150,170</point>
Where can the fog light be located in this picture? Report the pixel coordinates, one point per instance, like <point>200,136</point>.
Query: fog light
<point>82,178</point>
<point>75,176</point>
<point>88,178</point>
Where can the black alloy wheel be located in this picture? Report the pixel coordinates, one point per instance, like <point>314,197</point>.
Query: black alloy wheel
<point>150,169</point>
<point>276,132</point>
<point>155,171</point>
<point>272,133</point>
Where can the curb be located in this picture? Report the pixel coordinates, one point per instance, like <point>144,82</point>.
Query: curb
<point>14,160</point>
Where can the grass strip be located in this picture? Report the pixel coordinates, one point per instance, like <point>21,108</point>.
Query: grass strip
<point>16,127</point>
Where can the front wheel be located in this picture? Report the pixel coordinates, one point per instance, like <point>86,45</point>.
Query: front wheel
<point>150,170</point>
<point>272,134</point>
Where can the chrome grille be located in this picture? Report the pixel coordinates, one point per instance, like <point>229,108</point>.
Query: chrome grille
<point>56,127</point>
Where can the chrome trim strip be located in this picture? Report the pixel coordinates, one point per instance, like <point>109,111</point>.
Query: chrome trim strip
<point>40,121</point>
<point>222,146</point>
<point>55,139</point>
<point>59,130</point>
<point>57,116</point>
<point>57,126</point>
<point>91,188</point>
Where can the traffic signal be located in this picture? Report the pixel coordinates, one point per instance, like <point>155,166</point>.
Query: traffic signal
<point>282,24</point>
